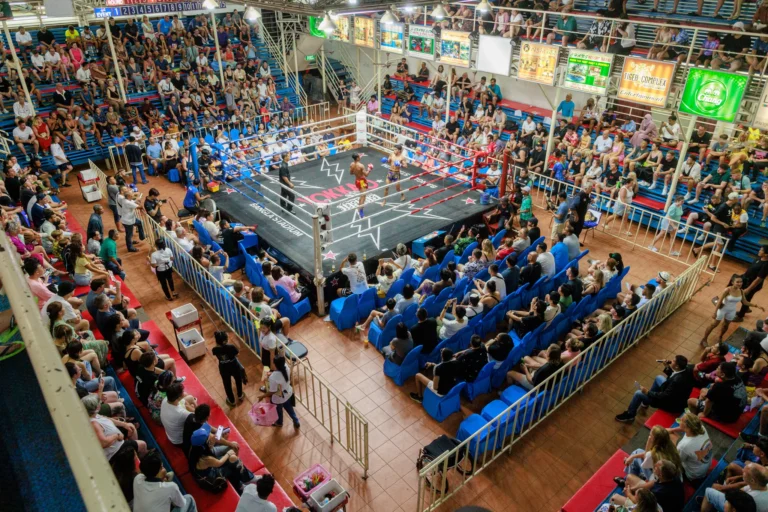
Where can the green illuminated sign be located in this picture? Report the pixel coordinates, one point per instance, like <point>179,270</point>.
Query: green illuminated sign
<point>713,94</point>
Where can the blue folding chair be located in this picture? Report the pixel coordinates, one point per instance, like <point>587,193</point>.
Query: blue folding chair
<point>366,302</point>
<point>344,312</point>
<point>449,256</point>
<point>432,273</point>
<point>560,252</point>
<point>395,289</point>
<point>409,315</point>
<point>380,337</point>
<point>293,312</point>
<point>466,254</point>
<point>481,384</point>
<point>440,407</point>
<point>497,238</point>
<point>482,442</point>
<point>407,275</point>
<point>409,368</point>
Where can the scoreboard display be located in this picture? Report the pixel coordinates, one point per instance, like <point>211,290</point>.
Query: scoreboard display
<point>118,8</point>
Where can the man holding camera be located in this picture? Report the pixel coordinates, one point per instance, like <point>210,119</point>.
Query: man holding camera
<point>669,392</point>
<point>152,204</point>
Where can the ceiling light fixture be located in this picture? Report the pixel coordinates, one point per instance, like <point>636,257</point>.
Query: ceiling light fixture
<point>210,4</point>
<point>388,18</point>
<point>251,13</point>
<point>327,25</point>
<point>483,6</point>
<point>439,12</point>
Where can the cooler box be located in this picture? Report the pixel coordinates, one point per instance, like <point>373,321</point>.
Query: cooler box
<point>184,315</point>
<point>317,500</point>
<point>310,480</point>
<point>213,186</point>
<point>191,344</point>
<point>91,193</point>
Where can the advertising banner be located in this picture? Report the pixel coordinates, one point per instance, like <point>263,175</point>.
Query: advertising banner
<point>365,32</point>
<point>391,37</point>
<point>421,42</point>
<point>342,32</point>
<point>713,94</point>
<point>538,63</point>
<point>455,48</point>
<point>646,81</point>
<point>588,71</point>
<point>494,55</point>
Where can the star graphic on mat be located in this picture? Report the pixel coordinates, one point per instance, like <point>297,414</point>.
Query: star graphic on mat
<point>335,281</point>
<point>469,200</point>
<point>229,191</point>
<point>330,255</point>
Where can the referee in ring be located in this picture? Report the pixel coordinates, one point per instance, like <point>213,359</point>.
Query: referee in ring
<point>285,180</point>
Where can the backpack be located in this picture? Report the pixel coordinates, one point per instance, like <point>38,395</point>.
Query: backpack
<point>740,393</point>
<point>153,405</point>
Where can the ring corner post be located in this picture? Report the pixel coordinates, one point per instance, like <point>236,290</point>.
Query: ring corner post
<point>361,127</point>
<point>319,280</point>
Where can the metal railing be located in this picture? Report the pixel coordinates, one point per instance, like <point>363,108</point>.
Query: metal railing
<point>95,479</point>
<point>102,183</point>
<point>502,432</point>
<point>332,80</point>
<point>5,143</point>
<point>277,53</point>
<point>638,226</point>
<point>336,415</point>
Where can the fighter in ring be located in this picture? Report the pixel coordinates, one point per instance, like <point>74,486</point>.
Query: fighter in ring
<point>359,171</point>
<point>396,162</point>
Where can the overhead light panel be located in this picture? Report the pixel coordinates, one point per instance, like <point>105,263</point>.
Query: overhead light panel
<point>439,12</point>
<point>483,6</point>
<point>251,13</point>
<point>388,18</point>
<point>210,4</point>
<point>327,25</point>
<point>409,8</point>
<point>352,2</point>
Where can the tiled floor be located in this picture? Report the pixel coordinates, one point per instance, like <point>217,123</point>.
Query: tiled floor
<point>544,469</point>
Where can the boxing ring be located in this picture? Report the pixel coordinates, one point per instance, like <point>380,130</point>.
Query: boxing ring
<point>325,224</point>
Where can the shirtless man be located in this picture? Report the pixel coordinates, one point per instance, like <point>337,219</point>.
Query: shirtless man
<point>360,172</point>
<point>396,162</point>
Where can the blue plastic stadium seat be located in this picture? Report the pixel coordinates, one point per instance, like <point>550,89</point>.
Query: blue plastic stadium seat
<point>380,337</point>
<point>481,385</point>
<point>293,312</point>
<point>441,407</point>
<point>343,312</point>
<point>406,370</point>
<point>486,438</point>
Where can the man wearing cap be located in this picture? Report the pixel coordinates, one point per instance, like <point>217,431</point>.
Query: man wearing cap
<point>725,400</point>
<point>733,49</point>
<point>154,489</point>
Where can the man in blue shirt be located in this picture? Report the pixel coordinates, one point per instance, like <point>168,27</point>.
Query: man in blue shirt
<point>493,91</point>
<point>165,25</point>
<point>154,153</point>
<point>558,170</point>
<point>566,107</point>
<point>192,198</point>
<point>560,215</point>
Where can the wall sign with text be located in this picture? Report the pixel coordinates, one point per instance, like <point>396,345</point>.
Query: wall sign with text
<point>538,63</point>
<point>364,32</point>
<point>713,94</point>
<point>421,42</point>
<point>588,71</point>
<point>455,48</point>
<point>391,35</point>
<point>646,81</point>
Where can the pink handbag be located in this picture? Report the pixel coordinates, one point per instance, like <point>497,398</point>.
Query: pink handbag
<point>263,413</point>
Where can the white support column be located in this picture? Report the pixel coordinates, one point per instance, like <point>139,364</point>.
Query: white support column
<point>218,50</point>
<point>553,122</point>
<point>18,66</point>
<point>296,64</point>
<point>681,160</point>
<point>115,62</point>
<point>322,70</point>
<point>448,96</point>
<point>378,77</point>
<point>319,280</point>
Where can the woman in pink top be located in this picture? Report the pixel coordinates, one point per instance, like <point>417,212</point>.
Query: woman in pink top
<point>35,273</point>
<point>77,56</point>
<point>289,283</point>
<point>24,249</point>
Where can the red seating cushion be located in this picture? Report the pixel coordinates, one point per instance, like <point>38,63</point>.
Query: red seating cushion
<point>663,418</point>
<point>594,492</point>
